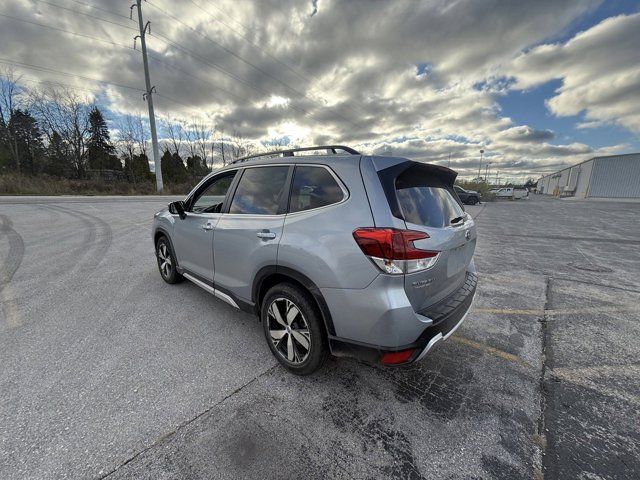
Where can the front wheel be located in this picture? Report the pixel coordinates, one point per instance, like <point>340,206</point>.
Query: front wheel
<point>293,329</point>
<point>167,261</point>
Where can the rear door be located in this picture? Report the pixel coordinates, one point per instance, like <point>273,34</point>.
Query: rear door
<point>426,201</point>
<point>247,235</point>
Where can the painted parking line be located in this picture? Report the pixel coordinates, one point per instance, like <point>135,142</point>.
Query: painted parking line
<point>588,377</point>
<point>496,352</point>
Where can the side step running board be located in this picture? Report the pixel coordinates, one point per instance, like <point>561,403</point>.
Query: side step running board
<point>211,290</point>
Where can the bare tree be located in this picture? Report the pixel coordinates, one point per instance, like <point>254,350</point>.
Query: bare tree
<point>141,134</point>
<point>176,134</point>
<point>64,112</point>
<point>126,139</point>
<point>10,100</point>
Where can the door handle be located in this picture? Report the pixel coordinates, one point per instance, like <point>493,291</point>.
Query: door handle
<point>266,235</point>
<point>207,226</point>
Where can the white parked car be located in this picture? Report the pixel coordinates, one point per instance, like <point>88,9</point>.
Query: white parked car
<point>513,193</point>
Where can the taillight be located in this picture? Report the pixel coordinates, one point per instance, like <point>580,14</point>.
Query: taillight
<point>392,250</point>
<point>393,358</point>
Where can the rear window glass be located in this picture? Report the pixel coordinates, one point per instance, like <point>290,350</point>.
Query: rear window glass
<point>314,187</point>
<point>428,206</point>
<point>260,191</point>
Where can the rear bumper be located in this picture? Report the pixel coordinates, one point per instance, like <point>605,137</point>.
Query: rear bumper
<point>447,315</point>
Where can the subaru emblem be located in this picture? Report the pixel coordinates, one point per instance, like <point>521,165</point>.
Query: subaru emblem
<point>467,235</point>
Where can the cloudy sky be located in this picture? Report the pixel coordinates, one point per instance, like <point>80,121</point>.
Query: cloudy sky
<point>535,84</point>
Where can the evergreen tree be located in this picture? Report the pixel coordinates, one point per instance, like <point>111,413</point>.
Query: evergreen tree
<point>196,167</point>
<point>138,168</point>
<point>100,151</point>
<point>58,162</point>
<point>28,145</point>
<point>173,168</point>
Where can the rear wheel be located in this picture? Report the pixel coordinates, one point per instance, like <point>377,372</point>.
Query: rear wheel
<point>167,261</point>
<point>293,329</point>
<point>473,200</point>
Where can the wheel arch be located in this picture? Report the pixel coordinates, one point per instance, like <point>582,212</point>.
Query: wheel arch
<point>161,232</point>
<point>269,276</point>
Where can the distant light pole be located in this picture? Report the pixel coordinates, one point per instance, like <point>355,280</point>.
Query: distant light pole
<point>486,172</point>
<point>480,165</point>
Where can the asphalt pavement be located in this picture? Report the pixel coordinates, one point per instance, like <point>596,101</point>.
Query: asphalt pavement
<point>108,372</point>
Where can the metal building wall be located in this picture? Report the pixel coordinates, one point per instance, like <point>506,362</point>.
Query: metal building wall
<point>582,188</point>
<point>616,177</point>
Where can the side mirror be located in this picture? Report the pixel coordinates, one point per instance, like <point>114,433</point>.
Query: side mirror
<point>178,208</point>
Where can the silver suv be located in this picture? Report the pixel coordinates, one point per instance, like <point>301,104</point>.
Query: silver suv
<point>337,252</point>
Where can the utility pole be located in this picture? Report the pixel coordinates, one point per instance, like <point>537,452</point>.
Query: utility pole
<point>148,96</point>
<point>480,165</point>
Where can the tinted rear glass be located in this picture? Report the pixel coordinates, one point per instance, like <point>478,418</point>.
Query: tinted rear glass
<point>313,187</point>
<point>260,191</point>
<point>428,206</point>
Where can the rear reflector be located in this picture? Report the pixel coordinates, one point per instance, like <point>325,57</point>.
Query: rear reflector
<point>392,358</point>
<point>392,250</point>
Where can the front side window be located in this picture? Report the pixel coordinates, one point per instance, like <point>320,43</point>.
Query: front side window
<point>313,187</point>
<point>212,198</point>
<point>260,191</point>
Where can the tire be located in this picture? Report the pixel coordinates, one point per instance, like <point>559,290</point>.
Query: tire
<point>167,261</point>
<point>473,200</point>
<point>288,343</point>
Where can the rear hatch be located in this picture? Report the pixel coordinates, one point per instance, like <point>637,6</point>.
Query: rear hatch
<point>423,196</point>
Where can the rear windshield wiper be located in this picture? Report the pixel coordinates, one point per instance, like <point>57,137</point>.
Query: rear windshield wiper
<point>457,219</point>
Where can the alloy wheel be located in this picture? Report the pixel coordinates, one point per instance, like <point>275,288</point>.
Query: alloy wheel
<point>164,259</point>
<point>288,330</point>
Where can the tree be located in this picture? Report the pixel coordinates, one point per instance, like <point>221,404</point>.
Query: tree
<point>57,161</point>
<point>132,144</point>
<point>173,168</point>
<point>10,100</point>
<point>196,167</point>
<point>27,139</point>
<point>100,151</point>
<point>67,114</point>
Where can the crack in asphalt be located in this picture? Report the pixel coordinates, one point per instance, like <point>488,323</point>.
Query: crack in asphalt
<point>541,435</point>
<point>185,424</point>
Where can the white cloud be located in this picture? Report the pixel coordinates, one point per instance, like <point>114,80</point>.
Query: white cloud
<point>599,69</point>
<point>348,73</point>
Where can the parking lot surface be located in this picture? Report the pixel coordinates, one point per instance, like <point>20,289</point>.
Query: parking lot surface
<point>108,372</point>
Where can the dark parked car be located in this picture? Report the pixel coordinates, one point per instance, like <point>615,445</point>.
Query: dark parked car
<point>468,197</point>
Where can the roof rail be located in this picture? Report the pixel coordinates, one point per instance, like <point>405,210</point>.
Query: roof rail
<point>331,149</point>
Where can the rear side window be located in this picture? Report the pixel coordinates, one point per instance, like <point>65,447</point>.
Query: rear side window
<point>428,206</point>
<point>313,187</point>
<point>260,191</point>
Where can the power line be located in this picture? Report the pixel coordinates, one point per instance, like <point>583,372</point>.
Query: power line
<point>259,47</point>
<point>126,17</point>
<point>250,42</point>
<point>226,72</point>
<point>67,31</point>
<point>76,12</point>
<point>207,62</point>
<point>67,74</point>
<point>155,57</point>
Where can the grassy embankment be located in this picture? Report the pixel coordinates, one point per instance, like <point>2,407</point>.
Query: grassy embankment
<point>12,184</point>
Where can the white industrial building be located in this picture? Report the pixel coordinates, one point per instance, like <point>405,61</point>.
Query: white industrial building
<point>614,176</point>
